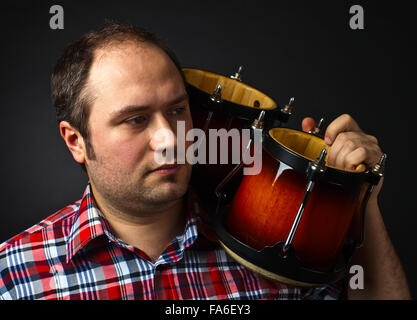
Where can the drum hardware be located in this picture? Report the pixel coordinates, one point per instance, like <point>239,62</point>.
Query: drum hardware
<point>282,114</point>
<point>317,130</point>
<point>238,75</point>
<point>376,174</point>
<point>288,108</point>
<point>315,168</point>
<point>257,125</point>
<point>379,168</point>
<point>217,95</point>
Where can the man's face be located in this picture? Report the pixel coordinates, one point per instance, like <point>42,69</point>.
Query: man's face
<point>138,91</point>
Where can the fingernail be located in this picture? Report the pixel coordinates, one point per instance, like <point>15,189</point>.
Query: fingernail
<point>328,140</point>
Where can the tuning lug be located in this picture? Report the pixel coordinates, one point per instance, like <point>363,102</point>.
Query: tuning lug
<point>317,130</point>
<point>217,95</point>
<point>238,75</point>
<point>288,108</point>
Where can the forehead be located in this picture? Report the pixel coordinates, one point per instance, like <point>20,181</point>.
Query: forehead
<point>132,73</point>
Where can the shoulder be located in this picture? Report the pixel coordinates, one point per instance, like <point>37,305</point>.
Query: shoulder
<point>35,249</point>
<point>54,226</point>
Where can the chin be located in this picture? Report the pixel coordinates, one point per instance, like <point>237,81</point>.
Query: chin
<point>168,192</point>
<point>169,188</point>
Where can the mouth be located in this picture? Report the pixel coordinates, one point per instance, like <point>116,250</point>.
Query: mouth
<point>166,169</point>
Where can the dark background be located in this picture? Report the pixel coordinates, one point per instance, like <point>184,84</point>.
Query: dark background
<point>289,48</point>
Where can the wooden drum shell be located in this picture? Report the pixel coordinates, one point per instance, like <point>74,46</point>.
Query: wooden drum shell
<point>265,205</point>
<point>240,105</point>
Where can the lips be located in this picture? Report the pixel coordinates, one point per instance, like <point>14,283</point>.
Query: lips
<point>167,169</point>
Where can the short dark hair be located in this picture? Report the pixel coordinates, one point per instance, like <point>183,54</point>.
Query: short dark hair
<point>69,77</point>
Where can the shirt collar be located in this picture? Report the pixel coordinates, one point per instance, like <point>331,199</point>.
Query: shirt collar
<point>89,223</point>
<point>86,226</point>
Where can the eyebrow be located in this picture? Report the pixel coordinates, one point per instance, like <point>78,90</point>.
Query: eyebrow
<point>132,109</point>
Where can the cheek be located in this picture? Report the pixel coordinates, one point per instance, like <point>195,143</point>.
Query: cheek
<point>129,153</point>
<point>115,150</point>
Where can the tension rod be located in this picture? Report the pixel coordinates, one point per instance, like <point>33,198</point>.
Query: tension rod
<point>315,167</point>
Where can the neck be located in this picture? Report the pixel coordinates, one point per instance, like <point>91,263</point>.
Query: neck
<point>148,229</point>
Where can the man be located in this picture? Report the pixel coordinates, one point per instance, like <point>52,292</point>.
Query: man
<point>136,233</point>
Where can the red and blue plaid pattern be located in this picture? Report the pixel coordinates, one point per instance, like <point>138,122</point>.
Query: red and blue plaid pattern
<point>73,254</point>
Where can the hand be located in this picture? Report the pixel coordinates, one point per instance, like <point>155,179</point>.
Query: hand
<point>350,146</point>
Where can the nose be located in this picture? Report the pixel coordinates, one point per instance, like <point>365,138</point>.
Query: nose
<point>162,136</point>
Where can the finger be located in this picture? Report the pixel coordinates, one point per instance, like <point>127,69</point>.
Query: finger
<point>338,145</point>
<point>355,158</point>
<point>347,148</point>
<point>308,124</point>
<point>366,152</point>
<point>343,123</point>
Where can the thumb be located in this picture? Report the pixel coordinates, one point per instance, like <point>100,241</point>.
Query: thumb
<point>308,124</point>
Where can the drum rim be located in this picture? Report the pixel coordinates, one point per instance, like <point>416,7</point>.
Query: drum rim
<point>264,272</point>
<point>301,162</point>
<point>270,264</point>
<point>226,107</point>
<point>351,180</point>
<point>230,79</point>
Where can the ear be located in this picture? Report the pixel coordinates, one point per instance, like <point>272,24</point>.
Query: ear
<point>73,140</point>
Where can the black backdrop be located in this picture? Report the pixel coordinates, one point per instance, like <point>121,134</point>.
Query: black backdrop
<point>289,48</point>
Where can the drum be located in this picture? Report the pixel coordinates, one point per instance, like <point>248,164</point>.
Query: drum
<point>219,102</point>
<point>238,103</point>
<point>293,221</point>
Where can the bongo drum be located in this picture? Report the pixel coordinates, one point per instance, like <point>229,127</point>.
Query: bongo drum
<point>293,221</point>
<point>219,102</point>
<point>237,105</point>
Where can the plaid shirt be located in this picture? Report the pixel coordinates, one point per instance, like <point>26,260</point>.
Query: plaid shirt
<point>74,254</point>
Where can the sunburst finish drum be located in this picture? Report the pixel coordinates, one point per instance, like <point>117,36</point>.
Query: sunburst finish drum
<point>254,228</point>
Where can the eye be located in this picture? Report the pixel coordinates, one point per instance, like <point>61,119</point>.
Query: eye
<point>177,111</point>
<point>136,120</point>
